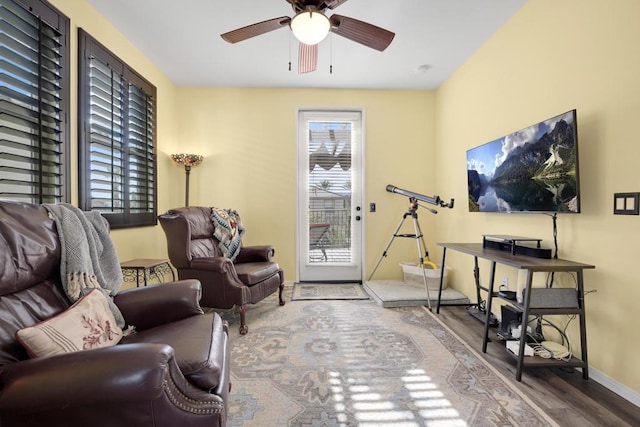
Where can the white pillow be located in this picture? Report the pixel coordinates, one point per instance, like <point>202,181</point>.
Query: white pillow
<point>87,324</point>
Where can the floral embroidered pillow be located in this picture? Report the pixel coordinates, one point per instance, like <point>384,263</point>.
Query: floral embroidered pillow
<point>87,324</point>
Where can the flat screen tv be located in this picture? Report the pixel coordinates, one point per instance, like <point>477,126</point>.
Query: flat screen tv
<point>532,170</point>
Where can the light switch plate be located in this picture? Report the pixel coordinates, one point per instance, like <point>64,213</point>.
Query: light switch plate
<point>626,204</point>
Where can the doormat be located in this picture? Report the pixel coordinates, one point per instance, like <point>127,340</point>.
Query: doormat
<point>327,291</point>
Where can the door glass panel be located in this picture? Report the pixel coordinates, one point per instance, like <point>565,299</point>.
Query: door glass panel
<point>330,182</point>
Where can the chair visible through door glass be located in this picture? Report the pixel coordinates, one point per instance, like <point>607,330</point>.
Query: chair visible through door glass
<point>319,239</point>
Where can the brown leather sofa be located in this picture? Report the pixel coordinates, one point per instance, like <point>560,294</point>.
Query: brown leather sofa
<point>194,252</point>
<point>174,371</point>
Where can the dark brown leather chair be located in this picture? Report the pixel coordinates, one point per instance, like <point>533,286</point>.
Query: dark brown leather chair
<point>174,371</point>
<point>194,252</point>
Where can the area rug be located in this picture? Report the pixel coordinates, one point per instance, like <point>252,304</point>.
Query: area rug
<point>327,291</point>
<point>354,363</point>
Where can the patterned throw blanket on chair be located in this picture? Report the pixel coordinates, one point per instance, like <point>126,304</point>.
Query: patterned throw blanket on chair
<point>228,230</point>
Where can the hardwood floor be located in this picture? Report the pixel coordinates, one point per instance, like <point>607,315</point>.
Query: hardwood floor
<point>563,394</point>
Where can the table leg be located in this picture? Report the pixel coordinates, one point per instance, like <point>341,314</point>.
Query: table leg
<point>476,278</point>
<point>583,325</point>
<point>444,253</point>
<point>487,320</point>
<point>523,325</point>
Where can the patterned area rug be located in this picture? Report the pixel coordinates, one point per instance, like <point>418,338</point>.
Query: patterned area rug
<point>329,291</point>
<point>354,363</point>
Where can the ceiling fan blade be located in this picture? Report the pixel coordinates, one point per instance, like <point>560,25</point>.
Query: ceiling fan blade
<point>253,30</point>
<point>361,32</point>
<point>332,4</point>
<point>307,58</point>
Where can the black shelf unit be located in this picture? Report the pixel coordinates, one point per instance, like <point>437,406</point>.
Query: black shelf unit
<point>531,265</point>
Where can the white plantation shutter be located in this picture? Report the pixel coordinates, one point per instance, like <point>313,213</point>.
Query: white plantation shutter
<point>34,102</point>
<point>117,139</point>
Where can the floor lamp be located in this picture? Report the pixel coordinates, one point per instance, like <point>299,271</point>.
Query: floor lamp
<point>187,160</point>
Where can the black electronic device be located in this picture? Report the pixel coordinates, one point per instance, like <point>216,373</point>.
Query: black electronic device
<point>481,315</point>
<point>510,295</point>
<point>511,240</point>
<point>510,319</point>
<point>510,244</point>
<point>532,170</point>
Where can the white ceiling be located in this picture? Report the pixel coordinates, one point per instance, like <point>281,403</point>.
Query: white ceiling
<point>183,39</point>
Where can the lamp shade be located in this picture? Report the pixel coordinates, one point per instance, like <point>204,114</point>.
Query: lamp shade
<point>187,159</point>
<point>310,27</point>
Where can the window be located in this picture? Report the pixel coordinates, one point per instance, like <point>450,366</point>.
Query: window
<point>34,102</point>
<point>117,140</point>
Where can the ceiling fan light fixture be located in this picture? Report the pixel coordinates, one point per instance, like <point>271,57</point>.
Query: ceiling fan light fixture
<point>310,27</point>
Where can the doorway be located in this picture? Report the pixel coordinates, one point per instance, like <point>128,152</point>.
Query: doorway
<point>330,181</point>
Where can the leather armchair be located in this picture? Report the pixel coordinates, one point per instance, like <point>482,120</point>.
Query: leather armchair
<point>174,371</point>
<point>194,252</point>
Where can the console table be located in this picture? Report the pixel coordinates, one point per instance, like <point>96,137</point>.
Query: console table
<point>531,265</point>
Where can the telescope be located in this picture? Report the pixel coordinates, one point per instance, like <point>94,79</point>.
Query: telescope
<point>435,200</point>
<point>417,235</point>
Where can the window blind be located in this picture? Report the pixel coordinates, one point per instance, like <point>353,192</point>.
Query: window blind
<point>34,102</point>
<point>106,135</point>
<point>117,138</point>
<point>142,174</point>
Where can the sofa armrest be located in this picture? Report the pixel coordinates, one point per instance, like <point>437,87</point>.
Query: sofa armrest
<point>124,382</point>
<point>255,254</point>
<point>156,305</point>
<point>110,374</point>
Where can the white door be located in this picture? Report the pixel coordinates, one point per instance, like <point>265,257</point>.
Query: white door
<point>330,214</point>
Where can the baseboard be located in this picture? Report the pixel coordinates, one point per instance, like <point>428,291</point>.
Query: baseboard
<point>619,389</point>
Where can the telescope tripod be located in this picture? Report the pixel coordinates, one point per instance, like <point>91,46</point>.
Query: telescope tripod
<point>419,238</point>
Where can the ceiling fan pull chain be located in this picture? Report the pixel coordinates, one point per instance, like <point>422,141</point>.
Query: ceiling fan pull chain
<point>330,53</point>
<point>289,38</point>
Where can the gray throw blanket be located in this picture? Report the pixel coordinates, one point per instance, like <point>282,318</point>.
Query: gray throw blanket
<point>88,257</point>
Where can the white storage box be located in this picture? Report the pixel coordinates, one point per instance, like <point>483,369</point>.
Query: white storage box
<point>413,275</point>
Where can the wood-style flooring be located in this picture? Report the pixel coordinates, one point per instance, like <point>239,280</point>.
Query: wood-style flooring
<point>563,394</point>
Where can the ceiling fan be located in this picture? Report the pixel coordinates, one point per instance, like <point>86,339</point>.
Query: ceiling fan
<point>310,25</point>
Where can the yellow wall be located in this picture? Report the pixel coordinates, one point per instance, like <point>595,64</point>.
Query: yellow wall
<point>248,138</point>
<point>146,242</point>
<point>552,57</point>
